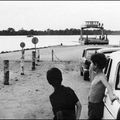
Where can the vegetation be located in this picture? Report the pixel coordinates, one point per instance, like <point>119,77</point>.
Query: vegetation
<point>72,31</point>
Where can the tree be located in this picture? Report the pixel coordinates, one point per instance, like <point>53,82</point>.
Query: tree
<point>10,30</point>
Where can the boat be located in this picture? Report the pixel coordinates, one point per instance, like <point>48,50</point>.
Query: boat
<point>98,39</point>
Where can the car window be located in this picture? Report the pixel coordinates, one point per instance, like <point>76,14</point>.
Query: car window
<point>89,53</point>
<point>108,69</point>
<point>107,54</point>
<point>83,53</point>
<point>117,85</point>
<point>107,65</point>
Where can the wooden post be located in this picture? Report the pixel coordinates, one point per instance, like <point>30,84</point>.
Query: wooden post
<point>22,45</point>
<point>22,62</point>
<point>35,48</point>
<point>38,58</point>
<point>6,72</point>
<point>52,55</point>
<point>35,41</point>
<point>35,56</point>
<point>33,60</point>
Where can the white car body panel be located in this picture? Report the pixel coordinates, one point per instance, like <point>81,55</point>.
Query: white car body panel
<point>111,110</point>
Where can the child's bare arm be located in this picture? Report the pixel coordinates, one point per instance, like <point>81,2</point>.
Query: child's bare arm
<point>78,110</point>
<point>109,88</point>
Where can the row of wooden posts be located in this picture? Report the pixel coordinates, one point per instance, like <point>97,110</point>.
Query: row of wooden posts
<point>6,62</point>
<point>34,60</point>
<point>6,66</point>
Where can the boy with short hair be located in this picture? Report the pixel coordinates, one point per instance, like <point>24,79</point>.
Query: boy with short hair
<point>65,103</point>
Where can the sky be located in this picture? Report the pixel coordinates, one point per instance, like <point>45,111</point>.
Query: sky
<point>43,15</point>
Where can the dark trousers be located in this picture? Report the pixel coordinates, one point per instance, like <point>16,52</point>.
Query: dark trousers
<point>95,110</point>
<point>67,115</point>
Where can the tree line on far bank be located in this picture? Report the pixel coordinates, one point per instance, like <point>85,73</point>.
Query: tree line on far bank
<point>71,31</point>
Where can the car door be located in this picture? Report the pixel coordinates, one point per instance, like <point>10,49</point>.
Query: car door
<point>111,109</point>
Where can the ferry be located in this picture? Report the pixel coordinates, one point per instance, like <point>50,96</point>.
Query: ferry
<point>98,39</point>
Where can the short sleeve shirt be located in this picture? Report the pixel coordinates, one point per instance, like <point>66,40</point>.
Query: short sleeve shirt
<point>63,98</point>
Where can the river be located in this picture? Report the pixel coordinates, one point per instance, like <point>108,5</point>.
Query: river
<point>10,43</point>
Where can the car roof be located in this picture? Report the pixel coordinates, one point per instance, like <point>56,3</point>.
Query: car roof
<point>92,48</point>
<point>109,49</point>
<point>115,56</point>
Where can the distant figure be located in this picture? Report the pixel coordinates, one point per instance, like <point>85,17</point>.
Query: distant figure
<point>103,37</point>
<point>106,37</point>
<point>65,103</point>
<point>61,44</point>
<point>97,89</point>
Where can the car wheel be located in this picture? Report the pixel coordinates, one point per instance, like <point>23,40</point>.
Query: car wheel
<point>86,76</point>
<point>118,114</point>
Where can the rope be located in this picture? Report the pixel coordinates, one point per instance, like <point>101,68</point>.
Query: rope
<point>56,57</point>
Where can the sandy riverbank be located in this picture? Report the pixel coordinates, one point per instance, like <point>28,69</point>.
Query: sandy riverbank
<point>64,53</point>
<point>27,96</point>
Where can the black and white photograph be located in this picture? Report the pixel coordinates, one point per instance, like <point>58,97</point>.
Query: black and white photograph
<point>60,60</point>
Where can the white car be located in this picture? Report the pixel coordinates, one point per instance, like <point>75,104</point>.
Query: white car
<point>108,50</point>
<point>112,71</point>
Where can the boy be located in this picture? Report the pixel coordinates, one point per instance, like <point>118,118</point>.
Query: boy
<point>65,103</point>
<point>98,86</point>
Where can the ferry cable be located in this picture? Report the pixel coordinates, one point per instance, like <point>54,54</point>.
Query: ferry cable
<point>57,57</point>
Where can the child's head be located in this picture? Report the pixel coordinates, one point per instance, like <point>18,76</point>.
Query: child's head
<point>54,77</point>
<point>99,59</point>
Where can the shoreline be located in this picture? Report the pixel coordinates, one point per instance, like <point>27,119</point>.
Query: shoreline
<point>38,48</point>
<point>3,52</point>
<point>64,53</point>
